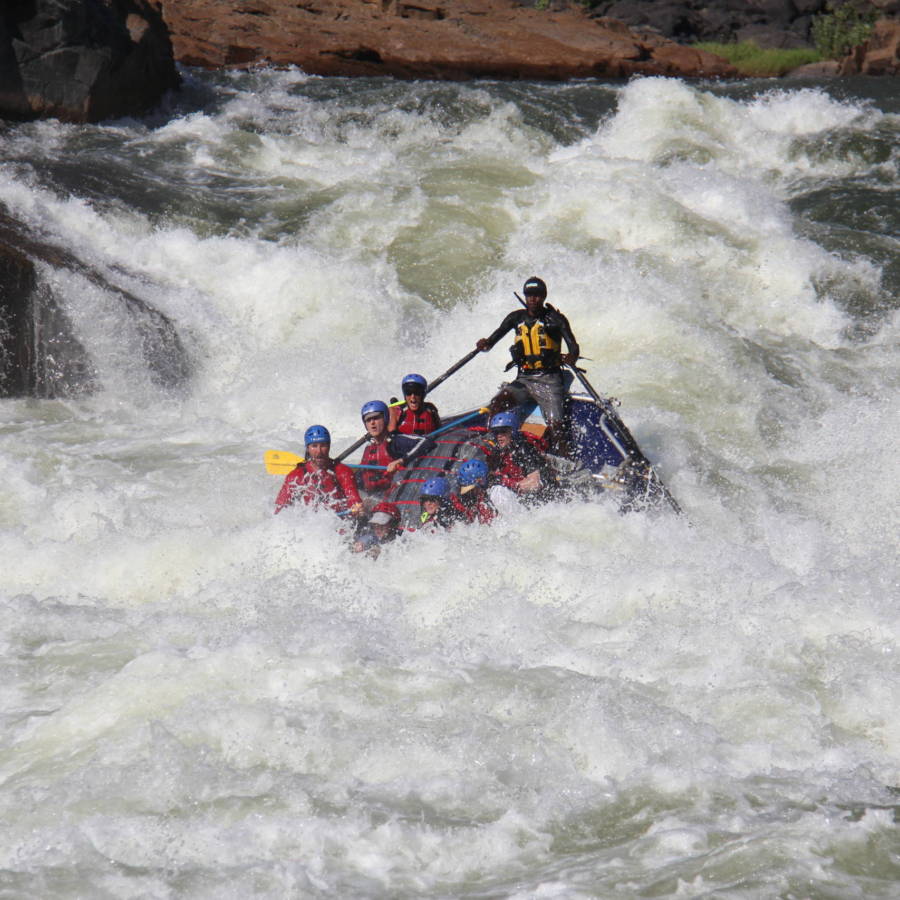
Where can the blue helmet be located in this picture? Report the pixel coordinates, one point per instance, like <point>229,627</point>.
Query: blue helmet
<point>416,380</point>
<point>374,406</point>
<point>435,487</point>
<point>506,419</point>
<point>473,471</point>
<point>316,434</point>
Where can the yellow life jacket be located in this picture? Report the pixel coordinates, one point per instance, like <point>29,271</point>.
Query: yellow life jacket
<point>535,348</point>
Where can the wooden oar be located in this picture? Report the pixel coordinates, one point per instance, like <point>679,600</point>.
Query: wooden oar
<point>431,386</point>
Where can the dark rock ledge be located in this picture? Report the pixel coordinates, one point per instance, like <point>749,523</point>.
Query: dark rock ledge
<point>82,60</point>
<point>40,356</point>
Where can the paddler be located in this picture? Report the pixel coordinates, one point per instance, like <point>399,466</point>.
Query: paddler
<point>393,451</point>
<point>472,503</point>
<point>517,462</point>
<point>540,330</point>
<point>435,510</point>
<point>417,415</point>
<point>382,528</point>
<point>319,481</point>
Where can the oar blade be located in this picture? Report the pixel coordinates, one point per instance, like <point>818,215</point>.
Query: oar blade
<point>280,462</point>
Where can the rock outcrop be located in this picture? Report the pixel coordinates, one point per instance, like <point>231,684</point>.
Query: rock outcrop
<point>442,39</point>
<point>82,60</point>
<point>769,23</point>
<point>17,282</point>
<point>880,55</point>
<point>40,355</point>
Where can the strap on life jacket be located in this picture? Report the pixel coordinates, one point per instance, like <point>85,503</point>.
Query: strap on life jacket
<point>535,348</point>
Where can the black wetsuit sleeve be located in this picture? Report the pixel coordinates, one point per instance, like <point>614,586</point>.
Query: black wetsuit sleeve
<point>507,324</point>
<point>561,322</point>
<point>532,459</point>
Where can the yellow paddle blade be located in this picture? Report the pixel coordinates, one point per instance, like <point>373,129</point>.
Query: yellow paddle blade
<point>280,462</point>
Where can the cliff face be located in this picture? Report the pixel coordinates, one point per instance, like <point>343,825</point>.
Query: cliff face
<point>443,39</point>
<point>82,60</point>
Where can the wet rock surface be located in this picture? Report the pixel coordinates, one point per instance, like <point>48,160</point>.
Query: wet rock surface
<point>40,354</point>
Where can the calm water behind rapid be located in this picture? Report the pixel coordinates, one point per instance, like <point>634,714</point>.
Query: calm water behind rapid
<point>200,700</point>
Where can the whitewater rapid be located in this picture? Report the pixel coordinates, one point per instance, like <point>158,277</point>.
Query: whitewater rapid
<point>199,699</point>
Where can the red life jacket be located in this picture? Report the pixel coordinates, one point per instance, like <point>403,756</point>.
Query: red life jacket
<point>376,455</point>
<point>424,421</point>
<point>332,487</point>
<point>481,509</point>
<point>510,466</point>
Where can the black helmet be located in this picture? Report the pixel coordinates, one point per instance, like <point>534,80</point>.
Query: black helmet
<point>534,285</point>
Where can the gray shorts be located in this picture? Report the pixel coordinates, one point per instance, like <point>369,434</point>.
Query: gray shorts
<point>547,389</point>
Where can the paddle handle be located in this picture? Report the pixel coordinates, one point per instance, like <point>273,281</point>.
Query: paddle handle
<point>454,368</point>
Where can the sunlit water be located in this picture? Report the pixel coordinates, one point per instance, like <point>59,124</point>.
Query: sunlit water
<point>201,700</point>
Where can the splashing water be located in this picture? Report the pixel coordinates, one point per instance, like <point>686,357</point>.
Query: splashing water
<point>201,700</point>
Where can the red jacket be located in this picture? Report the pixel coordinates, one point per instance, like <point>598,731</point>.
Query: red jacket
<point>423,422</point>
<point>480,509</point>
<point>376,455</point>
<point>332,487</point>
<point>510,466</point>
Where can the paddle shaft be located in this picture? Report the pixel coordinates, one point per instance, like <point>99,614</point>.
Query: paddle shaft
<point>454,368</point>
<point>431,386</point>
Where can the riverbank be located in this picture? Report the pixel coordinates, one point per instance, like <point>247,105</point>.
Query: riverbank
<point>450,39</point>
<point>463,39</point>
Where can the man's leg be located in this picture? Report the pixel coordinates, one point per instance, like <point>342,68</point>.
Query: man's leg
<point>550,393</point>
<point>508,397</point>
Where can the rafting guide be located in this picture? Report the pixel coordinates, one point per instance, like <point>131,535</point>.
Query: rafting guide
<point>537,352</point>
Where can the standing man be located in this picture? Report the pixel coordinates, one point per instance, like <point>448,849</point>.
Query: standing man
<point>319,481</point>
<point>540,330</point>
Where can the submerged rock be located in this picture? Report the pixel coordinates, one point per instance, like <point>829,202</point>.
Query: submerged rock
<point>82,60</point>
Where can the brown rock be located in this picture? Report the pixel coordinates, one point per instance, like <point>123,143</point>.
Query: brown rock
<point>880,55</point>
<point>824,69</point>
<point>453,39</point>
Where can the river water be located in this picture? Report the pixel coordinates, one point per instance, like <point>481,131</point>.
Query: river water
<point>200,700</point>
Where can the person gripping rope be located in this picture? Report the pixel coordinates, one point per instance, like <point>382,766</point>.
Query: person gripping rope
<point>516,463</point>
<point>417,415</point>
<point>540,330</point>
<point>319,481</point>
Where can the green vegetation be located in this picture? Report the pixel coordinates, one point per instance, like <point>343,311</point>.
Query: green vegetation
<point>752,61</point>
<point>837,32</point>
